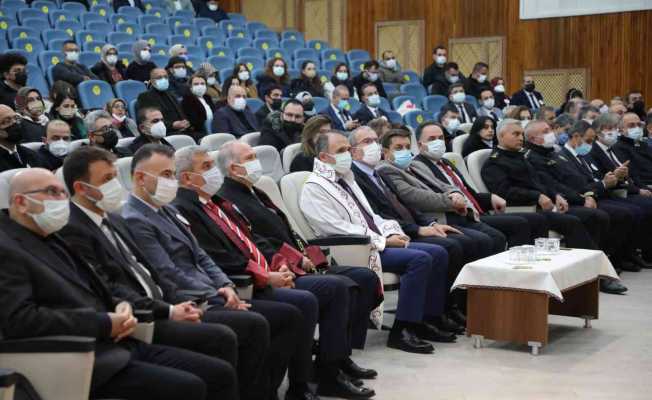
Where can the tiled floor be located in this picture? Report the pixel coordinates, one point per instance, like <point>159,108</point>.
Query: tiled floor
<point>613,360</point>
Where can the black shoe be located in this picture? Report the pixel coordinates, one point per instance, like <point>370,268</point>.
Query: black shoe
<point>638,260</point>
<point>406,340</point>
<point>612,287</point>
<point>353,370</point>
<point>629,266</point>
<point>431,333</point>
<point>343,387</point>
<point>446,324</point>
<point>306,395</point>
<point>457,316</point>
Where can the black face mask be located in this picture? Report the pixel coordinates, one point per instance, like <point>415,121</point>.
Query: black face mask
<point>292,127</point>
<point>13,133</point>
<point>529,87</point>
<point>639,107</point>
<point>110,140</point>
<point>20,78</point>
<point>276,104</point>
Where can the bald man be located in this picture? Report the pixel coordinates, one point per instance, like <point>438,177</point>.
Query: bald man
<point>56,144</point>
<point>160,97</point>
<point>12,154</point>
<point>237,118</point>
<point>47,290</point>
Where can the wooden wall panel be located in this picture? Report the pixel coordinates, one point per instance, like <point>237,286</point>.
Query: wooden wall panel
<point>614,47</point>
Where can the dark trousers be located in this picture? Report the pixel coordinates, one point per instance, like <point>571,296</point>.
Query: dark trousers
<point>641,209</point>
<point>595,221</point>
<point>618,240</point>
<point>496,241</point>
<point>422,267</point>
<point>160,373</point>
<point>575,234</point>
<point>515,228</point>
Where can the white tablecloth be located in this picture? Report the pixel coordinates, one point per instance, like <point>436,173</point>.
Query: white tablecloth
<point>564,270</point>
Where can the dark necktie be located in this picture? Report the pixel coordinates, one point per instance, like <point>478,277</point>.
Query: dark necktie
<point>405,214</point>
<point>612,156</point>
<point>462,112</point>
<point>367,217</point>
<point>533,101</point>
<point>460,185</point>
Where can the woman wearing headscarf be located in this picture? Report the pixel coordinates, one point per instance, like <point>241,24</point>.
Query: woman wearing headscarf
<point>141,65</point>
<point>121,122</point>
<point>213,89</point>
<point>110,68</point>
<point>31,108</point>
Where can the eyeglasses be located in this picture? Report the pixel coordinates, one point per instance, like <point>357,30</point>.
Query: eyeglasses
<point>119,106</point>
<point>102,131</point>
<point>368,141</point>
<point>52,191</point>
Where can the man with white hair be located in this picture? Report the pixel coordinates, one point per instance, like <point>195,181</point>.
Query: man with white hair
<point>339,110</point>
<point>101,133</point>
<point>236,118</point>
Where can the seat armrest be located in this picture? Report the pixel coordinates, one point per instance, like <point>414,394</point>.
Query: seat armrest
<point>244,285</point>
<point>341,240</point>
<point>48,344</point>
<point>198,296</point>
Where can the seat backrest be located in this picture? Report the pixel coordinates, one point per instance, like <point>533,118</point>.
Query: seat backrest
<point>180,141</point>
<point>75,144</point>
<point>221,63</point>
<point>466,127</point>
<point>291,188</point>
<point>34,146</point>
<point>458,143</point>
<point>318,45</point>
<point>94,94</point>
<point>475,161</point>
<point>123,165</point>
<point>251,138</point>
<point>434,102</point>
<point>414,89</point>
<point>270,161</point>
<point>252,62</point>
<point>129,90</point>
<point>457,160</point>
<point>5,178</point>
<point>214,141</point>
<point>250,52</point>
<point>289,153</point>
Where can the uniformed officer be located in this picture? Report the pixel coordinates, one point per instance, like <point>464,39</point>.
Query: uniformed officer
<point>630,147</point>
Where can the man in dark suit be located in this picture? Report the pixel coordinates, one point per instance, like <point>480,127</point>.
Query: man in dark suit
<point>527,96</point>
<point>235,118</point>
<point>283,128</point>
<point>104,241</point>
<point>439,58</point>
<point>57,143</point>
<point>457,102</point>
<point>478,82</point>
<point>450,75</point>
<point>371,108</point>
<point>370,74</point>
<point>152,129</point>
<point>273,96</point>
<point>12,154</point>
<point>47,289</point>
<point>338,110</point>
<point>165,239</point>
<point>631,147</point>
<point>158,96</point>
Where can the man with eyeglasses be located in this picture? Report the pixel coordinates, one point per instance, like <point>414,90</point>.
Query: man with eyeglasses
<point>46,289</point>
<point>152,129</point>
<point>12,154</point>
<point>102,134</point>
<point>283,128</point>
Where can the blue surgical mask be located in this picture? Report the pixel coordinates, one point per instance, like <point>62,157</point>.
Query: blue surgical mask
<point>635,133</point>
<point>343,105</point>
<point>583,149</point>
<point>562,138</point>
<point>162,84</point>
<point>402,158</point>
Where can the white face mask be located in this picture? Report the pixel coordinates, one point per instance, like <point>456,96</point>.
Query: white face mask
<point>211,81</point>
<point>373,76</point>
<point>499,89</point>
<point>54,216</point>
<point>243,76</point>
<point>239,104</point>
<point>111,195</point>
<point>373,100</point>
<point>112,59</point>
<point>213,7</point>
<point>524,123</point>
<point>489,103</point>
<point>180,73</point>
<point>119,118</point>
<point>254,171</point>
<point>342,162</point>
<point>278,71</point>
<point>213,181</point>
<point>549,140</point>
<point>145,55</point>
<point>391,64</point>
<point>372,154</point>
<point>59,147</point>
<point>158,130</point>
<point>604,109</point>
<point>440,60</point>
<point>482,78</point>
<point>453,78</point>
<point>166,190</point>
<point>198,90</point>
<point>342,76</point>
<point>72,56</point>
<point>452,125</point>
<point>610,138</point>
<point>458,97</point>
<point>436,149</point>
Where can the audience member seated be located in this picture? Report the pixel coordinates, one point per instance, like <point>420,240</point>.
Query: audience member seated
<point>488,105</point>
<point>631,147</point>
<point>178,50</point>
<point>370,74</point>
<point>64,107</point>
<point>125,125</point>
<point>276,248</point>
<point>381,126</point>
<point>276,72</point>
<point>236,118</point>
<point>520,113</point>
<point>450,76</point>
<point>210,9</point>
<point>371,107</point>
<point>243,74</point>
<point>389,69</point>
<point>498,86</point>
<point>209,73</point>
<point>12,154</point>
<point>338,110</point>
<point>101,133</point>
<point>308,104</point>
<point>273,97</point>
<point>140,68</point>
<point>437,68</point>
<point>334,204</point>
<point>70,70</point>
<point>179,5</point>
<point>160,97</point>
<point>14,76</point>
<point>449,119</point>
<point>477,81</point>
<point>635,103</point>
<point>342,76</point>
<point>547,113</point>
<point>152,129</point>
<point>178,77</point>
<point>527,96</point>
<point>56,145</point>
<point>315,126</point>
<point>647,134</point>
<point>31,108</point>
<point>282,128</point>
<point>572,95</point>
<point>110,69</point>
<point>128,3</point>
<point>197,105</point>
<point>308,81</point>
<point>481,136</point>
<point>561,125</point>
<point>457,100</point>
